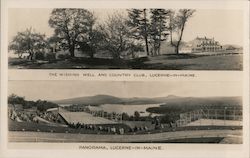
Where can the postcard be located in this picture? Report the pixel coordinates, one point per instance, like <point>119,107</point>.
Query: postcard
<point>124,78</point>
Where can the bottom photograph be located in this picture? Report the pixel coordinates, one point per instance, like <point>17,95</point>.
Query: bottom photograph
<point>125,112</point>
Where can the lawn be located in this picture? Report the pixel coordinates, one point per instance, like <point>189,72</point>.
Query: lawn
<point>162,62</point>
<point>30,126</point>
<point>194,136</point>
<point>40,127</point>
<point>28,132</point>
<point>191,140</point>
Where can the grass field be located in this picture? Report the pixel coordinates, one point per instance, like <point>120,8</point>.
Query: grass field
<point>191,140</point>
<point>203,136</point>
<point>162,62</point>
<point>38,132</point>
<point>30,126</point>
<point>196,62</point>
<point>39,127</point>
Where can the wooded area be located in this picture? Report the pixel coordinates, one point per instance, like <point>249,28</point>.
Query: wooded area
<point>139,30</point>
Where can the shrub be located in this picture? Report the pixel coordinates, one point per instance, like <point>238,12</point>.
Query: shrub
<point>40,56</point>
<point>63,56</point>
<point>50,56</point>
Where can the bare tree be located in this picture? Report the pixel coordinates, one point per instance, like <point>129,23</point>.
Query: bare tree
<point>93,39</point>
<point>29,42</point>
<point>177,24</point>
<point>117,38</point>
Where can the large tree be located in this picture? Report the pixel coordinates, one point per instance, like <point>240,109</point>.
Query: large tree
<point>139,25</point>
<point>158,29</point>
<point>177,24</point>
<point>92,35</point>
<point>29,42</point>
<point>93,39</point>
<point>117,37</point>
<point>70,25</point>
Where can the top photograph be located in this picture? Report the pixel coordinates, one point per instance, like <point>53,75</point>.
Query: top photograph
<point>132,38</point>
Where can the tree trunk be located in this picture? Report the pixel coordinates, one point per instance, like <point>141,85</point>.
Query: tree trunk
<point>177,49</point>
<point>171,37</point>
<point>116,55</point>
<point>159,44</point>
<point>145,31</point>
<point>91,55</point>
<point>171,32</point>
<point>31,56</point>
<point>179,41</point>
<point>72,51</point>
<point>155,49</point>
<point>92,52</point>
<point>159,48</point>
<point>146,42</point>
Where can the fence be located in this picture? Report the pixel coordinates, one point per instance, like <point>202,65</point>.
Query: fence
<point>234,114</point>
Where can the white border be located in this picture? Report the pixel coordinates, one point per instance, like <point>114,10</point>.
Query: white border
<point>172,150</point>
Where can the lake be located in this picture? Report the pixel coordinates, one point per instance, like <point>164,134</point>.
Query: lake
<point>129,109</point>
<point>120,108</point>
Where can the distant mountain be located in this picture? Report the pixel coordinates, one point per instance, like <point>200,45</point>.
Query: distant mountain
<point>172,97</point>
<point>203,101</point>
<point>92,100</point>
<point>183,104</point>
<point>170,100</point>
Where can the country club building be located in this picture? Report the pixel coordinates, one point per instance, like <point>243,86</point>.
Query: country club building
<point>204,44</point>
<point>201,45</point>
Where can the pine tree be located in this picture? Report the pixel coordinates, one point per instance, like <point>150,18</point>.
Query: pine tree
<point>138,23</point>
<point>158,29</point>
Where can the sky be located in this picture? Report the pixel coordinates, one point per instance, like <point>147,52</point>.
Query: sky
<point>226,26</point>
<point>56,90</point>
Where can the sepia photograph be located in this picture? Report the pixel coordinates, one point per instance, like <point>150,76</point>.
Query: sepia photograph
<point>144,78</point>
<point>132,38</point>
<point>125,112</point>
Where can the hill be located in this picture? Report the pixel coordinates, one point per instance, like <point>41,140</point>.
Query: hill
<point>190,103</point>
<point>92,100</point>
<point>107,99</point>
<point>167,101</point>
